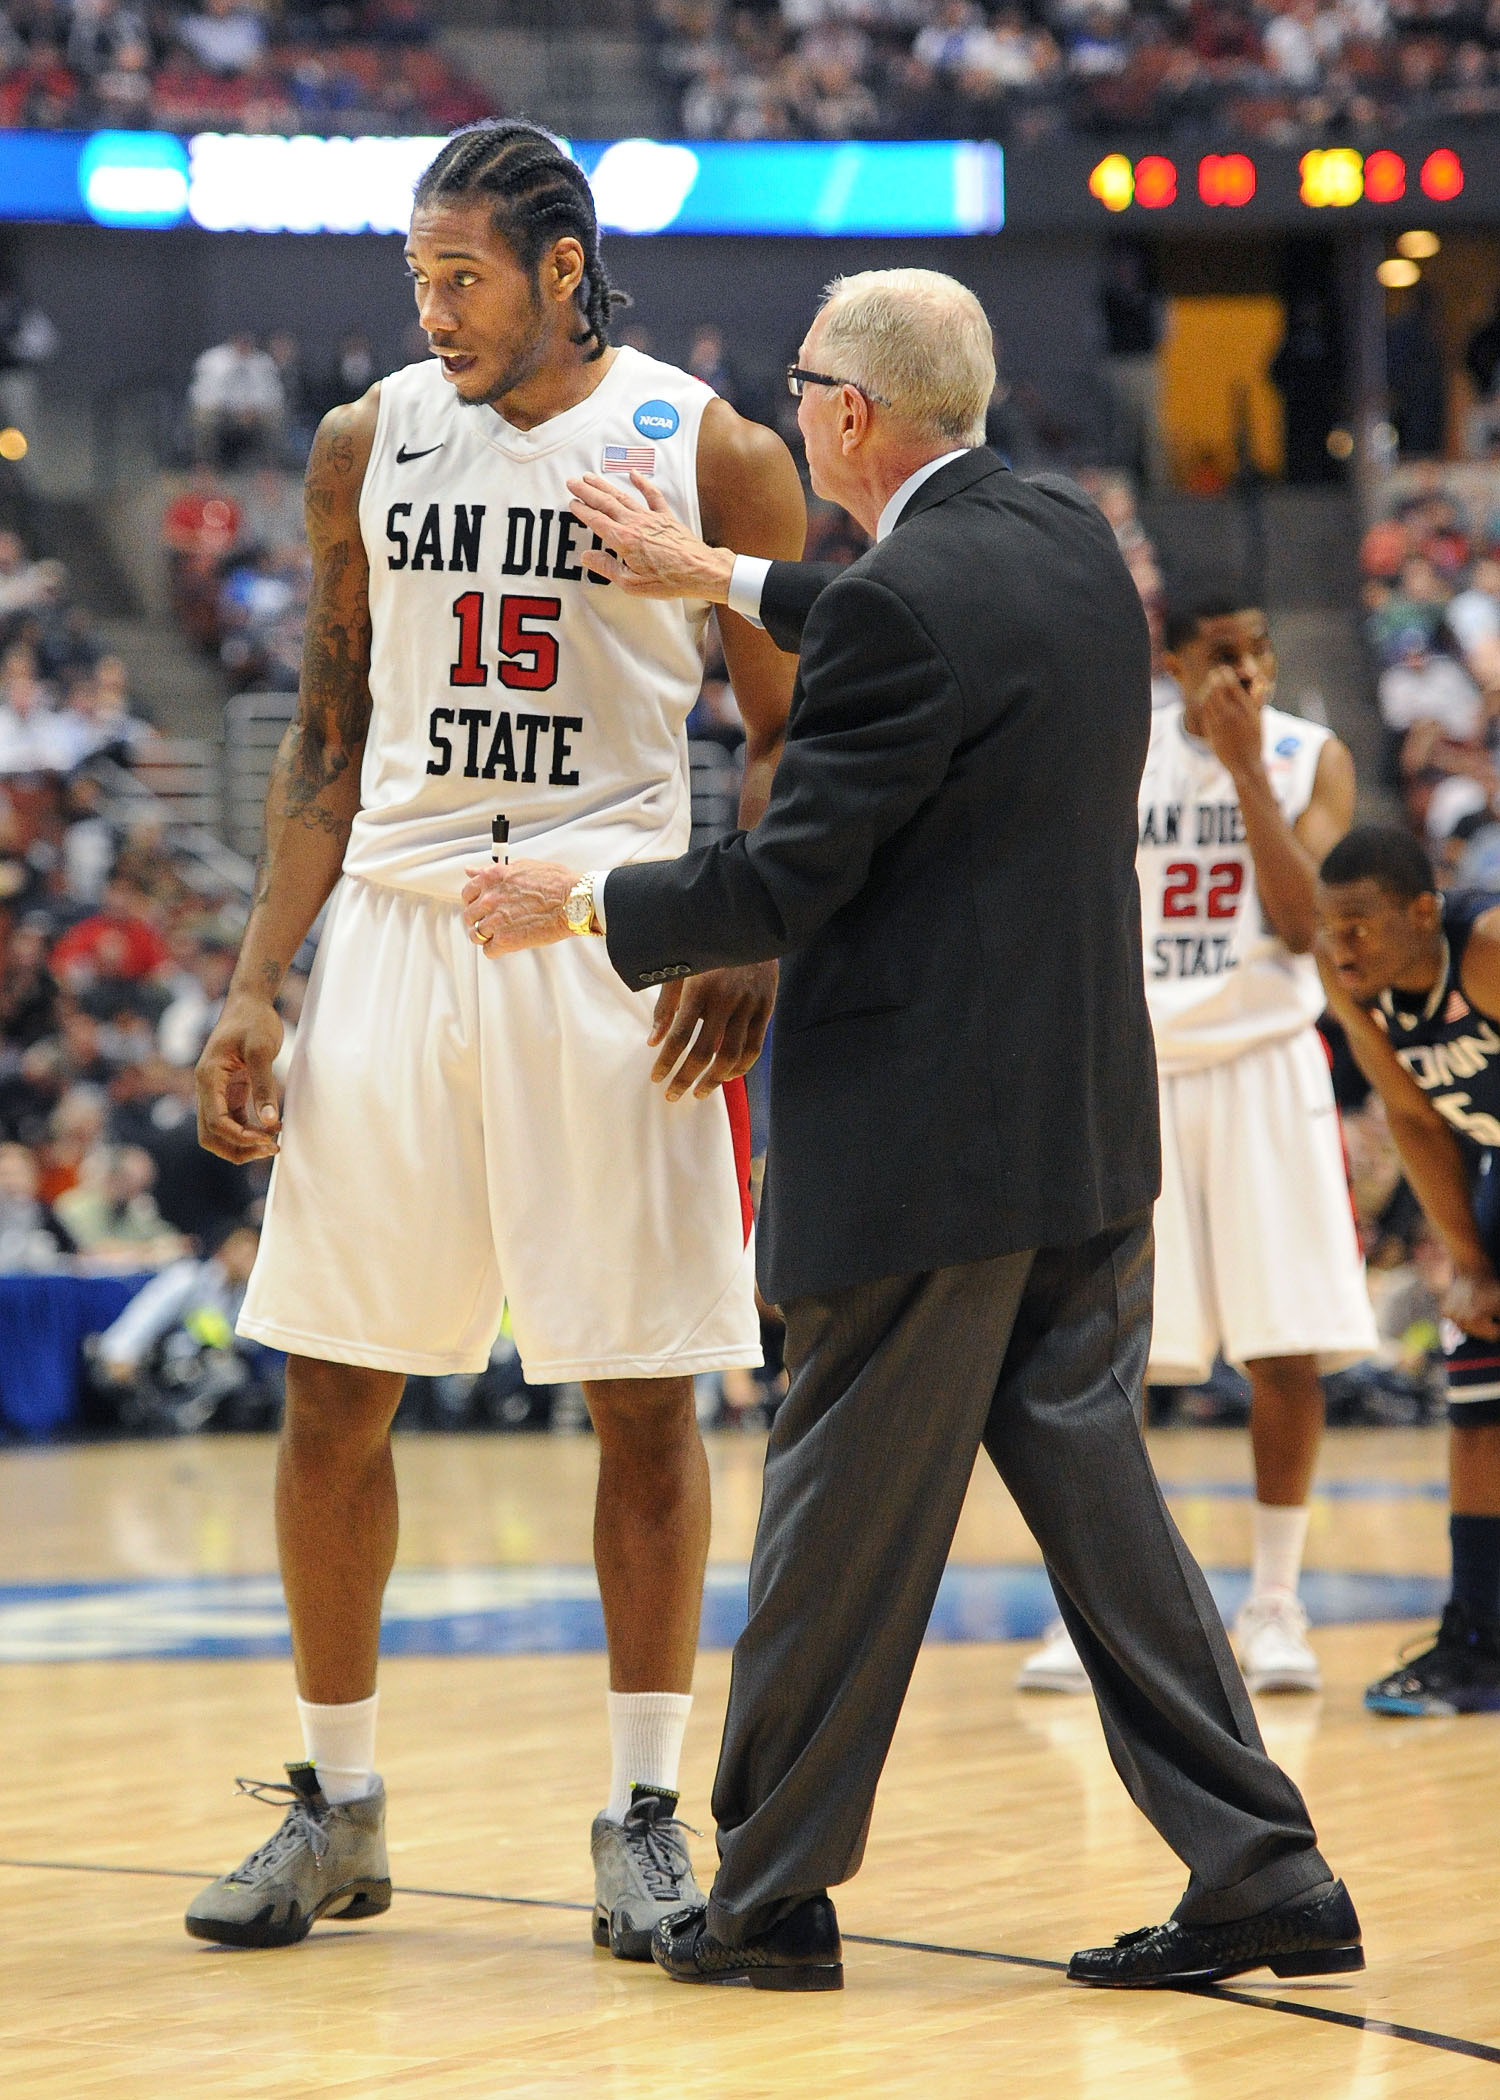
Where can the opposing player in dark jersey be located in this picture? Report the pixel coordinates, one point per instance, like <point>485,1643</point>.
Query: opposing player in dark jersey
<point>1416,983</point>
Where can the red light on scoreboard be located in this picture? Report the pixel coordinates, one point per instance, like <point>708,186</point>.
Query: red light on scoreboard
<point>1442,175</point>
<point>1155,182</point>
<point>1226,178</point>
<point>1385,177</point>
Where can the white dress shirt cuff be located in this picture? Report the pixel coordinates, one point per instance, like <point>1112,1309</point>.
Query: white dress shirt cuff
<point>600,877</point>
<point>747,579</point>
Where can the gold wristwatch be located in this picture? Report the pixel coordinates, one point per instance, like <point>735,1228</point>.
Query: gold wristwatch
<point>579,907</point>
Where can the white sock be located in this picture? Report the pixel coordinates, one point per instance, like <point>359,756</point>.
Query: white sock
<point>645,1743</point>
<point>1280,1535</point>
<point>340,1741</point>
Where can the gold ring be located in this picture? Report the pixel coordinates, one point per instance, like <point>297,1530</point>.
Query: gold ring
<point>483,939</point>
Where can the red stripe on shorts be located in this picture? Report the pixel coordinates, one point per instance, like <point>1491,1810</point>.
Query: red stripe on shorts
<point>737,1101</point>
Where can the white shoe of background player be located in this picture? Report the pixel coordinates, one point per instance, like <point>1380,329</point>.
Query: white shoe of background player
<point>1270,1637</point>
<point>1054,1667</point>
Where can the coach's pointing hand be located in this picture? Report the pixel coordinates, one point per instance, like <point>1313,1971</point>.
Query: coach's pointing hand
<point>650,552</point>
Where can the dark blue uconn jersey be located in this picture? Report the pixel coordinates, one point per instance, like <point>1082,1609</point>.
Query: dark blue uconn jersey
<point>1450,1050</point>
<point>1453,1053</point>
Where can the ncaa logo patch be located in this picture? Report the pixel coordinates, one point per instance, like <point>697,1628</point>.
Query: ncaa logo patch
<point>1288,746</point>
<point>656,419</point>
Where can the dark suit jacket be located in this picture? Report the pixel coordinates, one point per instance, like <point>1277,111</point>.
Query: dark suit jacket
<point>963,1063</point>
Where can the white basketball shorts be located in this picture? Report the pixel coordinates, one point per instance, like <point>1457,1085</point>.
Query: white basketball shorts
<point>460,1130</point>
<point>1256,1248</point>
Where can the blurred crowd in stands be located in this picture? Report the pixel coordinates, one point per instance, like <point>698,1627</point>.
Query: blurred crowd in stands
<point>1282,70</point>
<point>1431,570</point>
<point>228,65</point>
<point>1022,70</point>
<point>233,532</point>
<point>116,945</point>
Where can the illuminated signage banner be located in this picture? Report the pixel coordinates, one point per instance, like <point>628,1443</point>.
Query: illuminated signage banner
<point>877,189</point>
<point>249,183</point>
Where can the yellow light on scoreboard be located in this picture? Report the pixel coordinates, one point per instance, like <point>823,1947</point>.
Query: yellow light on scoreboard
<point>1418,246</point>
<point>1398,274</point>
<point>12,444</point>
<point>1332,175</point>
<point>1113,182</point>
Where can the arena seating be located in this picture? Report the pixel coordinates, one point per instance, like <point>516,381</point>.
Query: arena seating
<point>1281,71</point>
<point>1278,70</point>
<point>228,65</point>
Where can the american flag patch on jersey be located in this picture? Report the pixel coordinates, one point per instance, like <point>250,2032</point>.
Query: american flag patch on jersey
<point>630,459</point>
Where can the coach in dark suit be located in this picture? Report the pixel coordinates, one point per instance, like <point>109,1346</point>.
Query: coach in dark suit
<point>963,1151</point>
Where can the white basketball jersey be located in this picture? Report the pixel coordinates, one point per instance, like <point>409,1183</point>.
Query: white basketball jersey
<point>1219,981</point>
<point>506,678</point>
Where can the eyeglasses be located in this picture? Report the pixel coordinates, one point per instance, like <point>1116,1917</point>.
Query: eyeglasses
<point>797,380</point>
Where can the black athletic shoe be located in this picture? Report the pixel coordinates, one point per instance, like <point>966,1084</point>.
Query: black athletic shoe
<point>802,1953</point>
<point>1313,1935</point>
<point>1459,1674</point>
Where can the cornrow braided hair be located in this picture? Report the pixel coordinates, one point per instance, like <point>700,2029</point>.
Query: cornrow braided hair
<point>538,194</point>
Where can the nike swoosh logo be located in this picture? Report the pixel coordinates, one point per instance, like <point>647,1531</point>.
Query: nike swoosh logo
<point>402,455</point>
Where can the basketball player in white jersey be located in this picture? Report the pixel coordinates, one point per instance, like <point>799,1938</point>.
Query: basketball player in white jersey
<point>1257,1255</point>
<point>456,1137</point>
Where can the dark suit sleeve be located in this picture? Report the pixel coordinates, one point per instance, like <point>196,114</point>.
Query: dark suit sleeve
<point>790,591</point>
<point>869,742</point>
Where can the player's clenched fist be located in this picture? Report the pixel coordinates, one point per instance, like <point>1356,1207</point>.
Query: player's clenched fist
<point>238,1114</point>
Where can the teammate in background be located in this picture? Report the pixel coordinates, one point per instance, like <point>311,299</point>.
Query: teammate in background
<point>1430,969</point>
<point>1257,1256</point>
<point>457,1137</point>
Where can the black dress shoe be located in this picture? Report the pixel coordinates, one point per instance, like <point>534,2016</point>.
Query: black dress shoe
<point>1316,1934</point>
<point>802,1953</point>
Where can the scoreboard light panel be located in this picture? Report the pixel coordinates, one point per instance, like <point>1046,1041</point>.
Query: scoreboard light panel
<point>1329,177</point>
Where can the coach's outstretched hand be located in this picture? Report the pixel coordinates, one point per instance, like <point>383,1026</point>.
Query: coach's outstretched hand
<point>649,551</point>
<point>705,1029</point>
<point>238,1116</point>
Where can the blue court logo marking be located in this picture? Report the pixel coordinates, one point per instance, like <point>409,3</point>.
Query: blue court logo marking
<point>656,419</point>
<point>555,1610</point>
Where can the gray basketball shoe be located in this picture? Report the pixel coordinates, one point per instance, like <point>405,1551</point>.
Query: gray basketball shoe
<point>642,1873</point>
<point>325,1858</point>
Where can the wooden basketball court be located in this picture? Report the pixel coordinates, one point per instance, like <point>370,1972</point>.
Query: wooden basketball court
<point>138,1624</point>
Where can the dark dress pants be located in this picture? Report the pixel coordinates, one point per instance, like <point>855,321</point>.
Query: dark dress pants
<point>1041,1357</point>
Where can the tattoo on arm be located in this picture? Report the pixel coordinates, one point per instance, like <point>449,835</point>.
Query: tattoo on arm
<point>333,713</point>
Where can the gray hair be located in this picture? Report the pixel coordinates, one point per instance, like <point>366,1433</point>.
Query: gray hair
<point>919,342</point>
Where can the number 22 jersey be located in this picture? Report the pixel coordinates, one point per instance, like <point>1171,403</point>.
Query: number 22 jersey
<point>1219,980</point>
<point>504,676</point>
